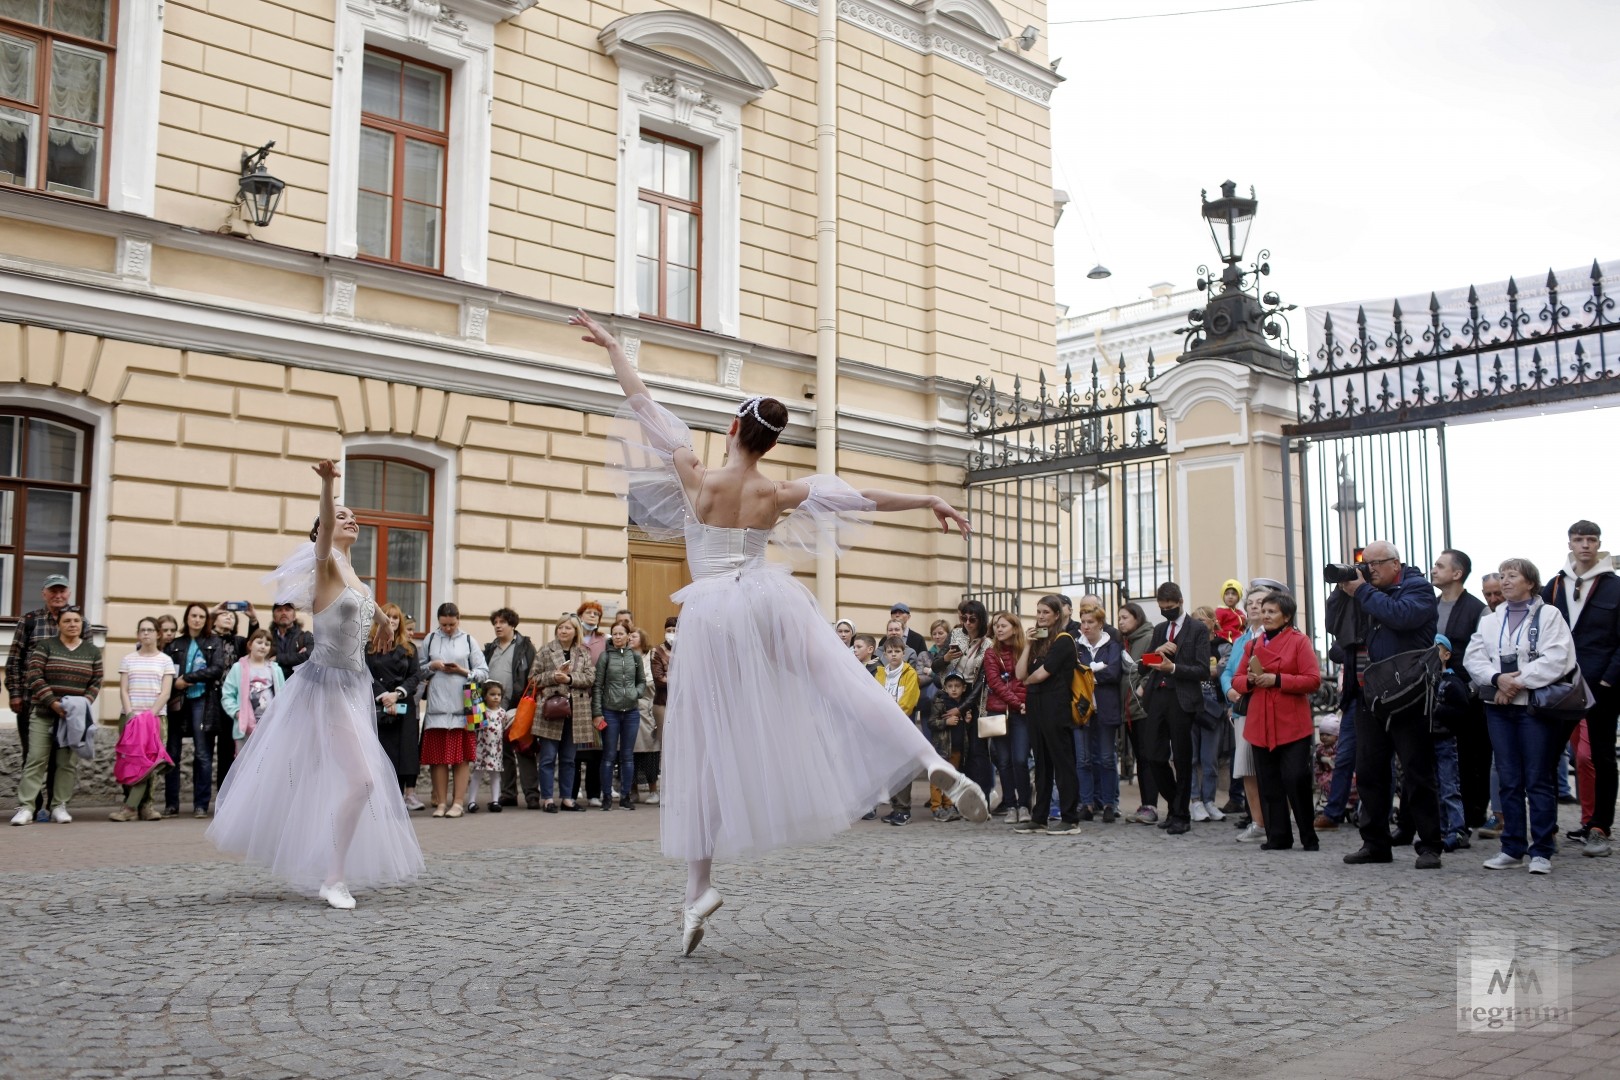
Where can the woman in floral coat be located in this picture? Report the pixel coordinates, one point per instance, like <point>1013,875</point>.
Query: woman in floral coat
<point>563,668</point>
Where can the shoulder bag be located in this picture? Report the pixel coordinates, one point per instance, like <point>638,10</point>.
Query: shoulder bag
<point>1404,681</point>
<point>1565,700</point>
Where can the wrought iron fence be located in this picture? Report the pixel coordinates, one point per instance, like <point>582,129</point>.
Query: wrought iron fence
<point>1483,355</point>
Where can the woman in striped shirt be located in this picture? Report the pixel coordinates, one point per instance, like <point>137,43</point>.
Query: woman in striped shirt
<point>61,667</point>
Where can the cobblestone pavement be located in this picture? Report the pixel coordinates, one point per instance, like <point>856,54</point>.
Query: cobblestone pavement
<point>546,946</point>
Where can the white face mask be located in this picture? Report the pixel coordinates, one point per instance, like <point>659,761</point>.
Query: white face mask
<point>669,637</point>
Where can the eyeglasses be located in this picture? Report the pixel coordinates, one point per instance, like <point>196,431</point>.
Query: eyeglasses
<point>1379,562</point>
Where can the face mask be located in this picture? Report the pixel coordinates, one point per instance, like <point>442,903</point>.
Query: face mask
<point>1170,614</point>
<point>669,637</point>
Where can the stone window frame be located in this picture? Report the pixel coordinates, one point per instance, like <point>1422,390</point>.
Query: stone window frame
<point>96,420</point>
<point>459,39</point>
<point>698,103</point>
<point>441,465</point>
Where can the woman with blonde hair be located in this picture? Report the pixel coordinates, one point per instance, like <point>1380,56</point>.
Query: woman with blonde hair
<point>1005,693</point>
<point>562,672</point>
<point>391,659</point>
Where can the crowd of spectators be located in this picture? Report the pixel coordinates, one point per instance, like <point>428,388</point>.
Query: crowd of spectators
<point>1170,702</point>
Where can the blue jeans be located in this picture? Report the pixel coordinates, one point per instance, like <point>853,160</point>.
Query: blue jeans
<point>1344,764</point>
<point>1098,760</point>
<point>189,721</point>
<point>1565,761</point>
<point>1206,747</point>
<point>1449,785</point>
<point>619,748</point>
<point>558,755</point>
<point>1012,762</point>
<point>1526,750</point>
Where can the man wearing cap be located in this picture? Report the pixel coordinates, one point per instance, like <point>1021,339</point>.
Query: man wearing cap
<point>914,641</point>
<point>34,627</point>
<point>292,642</point>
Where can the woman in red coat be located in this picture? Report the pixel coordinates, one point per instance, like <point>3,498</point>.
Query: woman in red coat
<point>1280,672</point>
<point>1004,692</point>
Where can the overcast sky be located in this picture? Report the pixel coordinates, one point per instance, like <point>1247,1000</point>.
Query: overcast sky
<point>1396,146</point>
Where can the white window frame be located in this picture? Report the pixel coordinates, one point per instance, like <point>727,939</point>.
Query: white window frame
<point>460,39</point>
<point>442,465</point>
<point>132,142</point>
<point>672,96</point>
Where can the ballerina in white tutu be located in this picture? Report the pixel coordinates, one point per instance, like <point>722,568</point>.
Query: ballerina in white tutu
<point>312,796</point>
<point>774,733</point>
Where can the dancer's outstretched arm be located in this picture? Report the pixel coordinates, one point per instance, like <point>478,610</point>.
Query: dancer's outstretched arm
<point>597,334</point>
<point>793,493</point>
<point>328,472</point>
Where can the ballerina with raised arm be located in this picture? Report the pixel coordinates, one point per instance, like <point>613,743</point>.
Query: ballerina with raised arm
<point>774,733</point>
<point>313,797</point>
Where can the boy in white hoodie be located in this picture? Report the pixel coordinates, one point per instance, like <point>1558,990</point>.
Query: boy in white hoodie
<point>1587,592</point>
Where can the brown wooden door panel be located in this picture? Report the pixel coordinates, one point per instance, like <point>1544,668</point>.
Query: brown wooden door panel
<point>657,571</point>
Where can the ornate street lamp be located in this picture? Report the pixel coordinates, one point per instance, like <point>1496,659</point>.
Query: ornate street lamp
<point>1237,323</point>
<point>1229,218</point>
<point>258,192</point>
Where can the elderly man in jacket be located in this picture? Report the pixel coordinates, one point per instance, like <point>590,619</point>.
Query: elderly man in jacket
<point>1402,615</point>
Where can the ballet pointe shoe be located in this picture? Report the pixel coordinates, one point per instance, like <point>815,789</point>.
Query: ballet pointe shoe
<point>964,793</point>
<point>337,894</point>
<point>693,917</point>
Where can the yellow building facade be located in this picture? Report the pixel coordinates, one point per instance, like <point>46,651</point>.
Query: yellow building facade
<point>458,178</point>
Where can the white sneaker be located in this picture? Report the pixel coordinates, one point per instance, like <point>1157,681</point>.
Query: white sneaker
<point>652,798</point>
<point>1214,812</point>
<point>595,802</point>
<point>1250,834</point>
<point>1502,861</point>
<point>60,816</point>
<point>1540,865</point>
<point>1199,813</point>
<point>23,816</point>
<point>413,803</point>
<point>337,894</point>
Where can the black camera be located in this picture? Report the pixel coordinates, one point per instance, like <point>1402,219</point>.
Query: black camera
<point>1335,573</point>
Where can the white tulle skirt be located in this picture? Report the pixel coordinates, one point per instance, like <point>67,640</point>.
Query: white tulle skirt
<point>312,796</point>
<point>774,734</point>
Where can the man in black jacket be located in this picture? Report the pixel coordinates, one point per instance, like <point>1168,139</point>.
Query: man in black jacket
<point>292,641</point>
<point>1587,592</point>
<point>509,656</point>
<point>1459,614</point>
<point>1402,616</point>
<point>1172,694</point>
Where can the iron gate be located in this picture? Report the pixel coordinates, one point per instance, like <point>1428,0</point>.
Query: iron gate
<point>1369,449</point>
<point>1068,493</point>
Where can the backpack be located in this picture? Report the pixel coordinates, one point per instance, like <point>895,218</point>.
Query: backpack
<point>1082,690</point>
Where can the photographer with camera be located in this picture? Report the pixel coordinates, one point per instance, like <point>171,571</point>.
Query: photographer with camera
<point>1402,615</point>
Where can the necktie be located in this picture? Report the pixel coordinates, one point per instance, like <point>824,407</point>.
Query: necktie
<point>1172,631</point>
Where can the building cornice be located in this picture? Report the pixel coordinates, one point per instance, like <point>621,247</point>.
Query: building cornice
<point>123,304</point>
<point>934,32</point>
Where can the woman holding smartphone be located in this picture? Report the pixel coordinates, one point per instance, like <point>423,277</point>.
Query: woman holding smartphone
<point>450,659</point>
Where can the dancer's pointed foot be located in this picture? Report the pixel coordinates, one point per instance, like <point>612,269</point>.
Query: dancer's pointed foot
<point>967,796</point>
<point>337,894</point>
<point>693,917</point>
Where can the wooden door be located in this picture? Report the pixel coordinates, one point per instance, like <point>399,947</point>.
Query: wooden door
<point>656,572</point>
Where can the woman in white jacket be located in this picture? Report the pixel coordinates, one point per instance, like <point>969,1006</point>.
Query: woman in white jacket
<point>1521,646</point>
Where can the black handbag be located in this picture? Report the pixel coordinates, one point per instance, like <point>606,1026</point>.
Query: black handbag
<point>1401,682</point>
<point>1565,700</point>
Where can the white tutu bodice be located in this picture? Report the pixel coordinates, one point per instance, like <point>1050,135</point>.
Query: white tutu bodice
<point>312,797</point>
<point>712,551</point>
<point>774,734</point>
<point>342,629</point>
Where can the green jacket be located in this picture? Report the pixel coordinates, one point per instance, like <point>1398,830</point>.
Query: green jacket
<point>620,678</point>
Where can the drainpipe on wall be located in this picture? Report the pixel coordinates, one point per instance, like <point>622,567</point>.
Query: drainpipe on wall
<point>827,285</point>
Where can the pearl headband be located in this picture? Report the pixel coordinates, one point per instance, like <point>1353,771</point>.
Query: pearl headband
<point>751,408</point>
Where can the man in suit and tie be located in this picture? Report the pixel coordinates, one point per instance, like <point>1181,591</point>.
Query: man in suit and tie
<point>1172,695</point>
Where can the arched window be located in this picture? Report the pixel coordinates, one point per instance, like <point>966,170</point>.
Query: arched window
<point>44,489</point>
<point>393,501</point>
